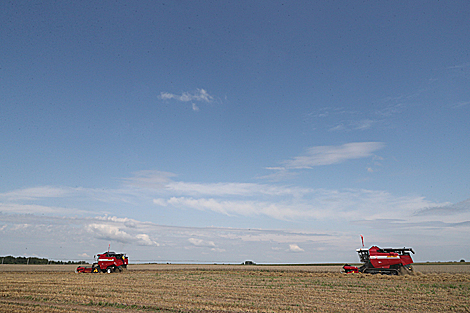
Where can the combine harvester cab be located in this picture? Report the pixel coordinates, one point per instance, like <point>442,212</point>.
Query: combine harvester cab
<point>389,261</point>
<point>108,262</point>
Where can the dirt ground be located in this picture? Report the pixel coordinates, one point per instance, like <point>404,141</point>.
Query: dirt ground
<point>232,288</point>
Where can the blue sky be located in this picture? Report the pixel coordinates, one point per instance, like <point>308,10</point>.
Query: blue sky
<point>224,131</point>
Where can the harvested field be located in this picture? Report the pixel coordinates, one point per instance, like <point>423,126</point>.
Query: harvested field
<point>423,268</point>
<point>222,288</point>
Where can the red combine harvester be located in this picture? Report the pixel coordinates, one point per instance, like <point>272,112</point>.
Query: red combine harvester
<point>109,262</point>
<point>389,261</point>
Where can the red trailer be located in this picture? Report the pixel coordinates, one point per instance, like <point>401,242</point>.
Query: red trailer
<point>109,262</point>
<point>390,261</point>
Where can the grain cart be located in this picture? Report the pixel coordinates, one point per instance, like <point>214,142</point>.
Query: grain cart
<point>389,261</point>
<point>108,262</point>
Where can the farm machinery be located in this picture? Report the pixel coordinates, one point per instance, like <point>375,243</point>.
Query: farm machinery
<point>389,261</point>
<point>108,262</point>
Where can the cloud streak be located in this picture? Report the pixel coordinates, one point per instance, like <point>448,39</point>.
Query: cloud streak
<point>38,193</point>
<point>446,210</point>
<point>37,209</point>
<point>320,204</point>
<point>200,95</point>
<point>328,155</point>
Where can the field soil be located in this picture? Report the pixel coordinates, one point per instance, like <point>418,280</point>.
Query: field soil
<point>232,288</point>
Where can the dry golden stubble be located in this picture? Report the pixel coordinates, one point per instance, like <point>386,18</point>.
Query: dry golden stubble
<point>237,291</point>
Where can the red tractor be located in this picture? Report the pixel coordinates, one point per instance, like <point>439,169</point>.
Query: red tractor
<point>389,261</point>
<point>108,262</point>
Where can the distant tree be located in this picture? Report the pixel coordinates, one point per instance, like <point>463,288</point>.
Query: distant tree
<point>462,260</point>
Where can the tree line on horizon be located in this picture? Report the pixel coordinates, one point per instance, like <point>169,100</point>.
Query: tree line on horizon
<point>34,260</point>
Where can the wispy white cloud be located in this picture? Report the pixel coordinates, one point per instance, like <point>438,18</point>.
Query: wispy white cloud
<point>150,179</point>
<point>327,155</point>
<point>446,209</point>
<point>116,234</point>
<point>233,189</point>
<point>244,208</point>
<point>201,243</point>
<point>459,66</point>
<point>200,95</point>
<point>144,240</point>
<point>279,174</point>
<point>338,127</point>
<point>320,204</point>
<point>20,208</point>
<point>295,248</point>
<point>206,244</point>
<point>461,104</point>
<point>38,192</point>
<point>364,124</point>
<point>109,232</point>
<point>162,183</point>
